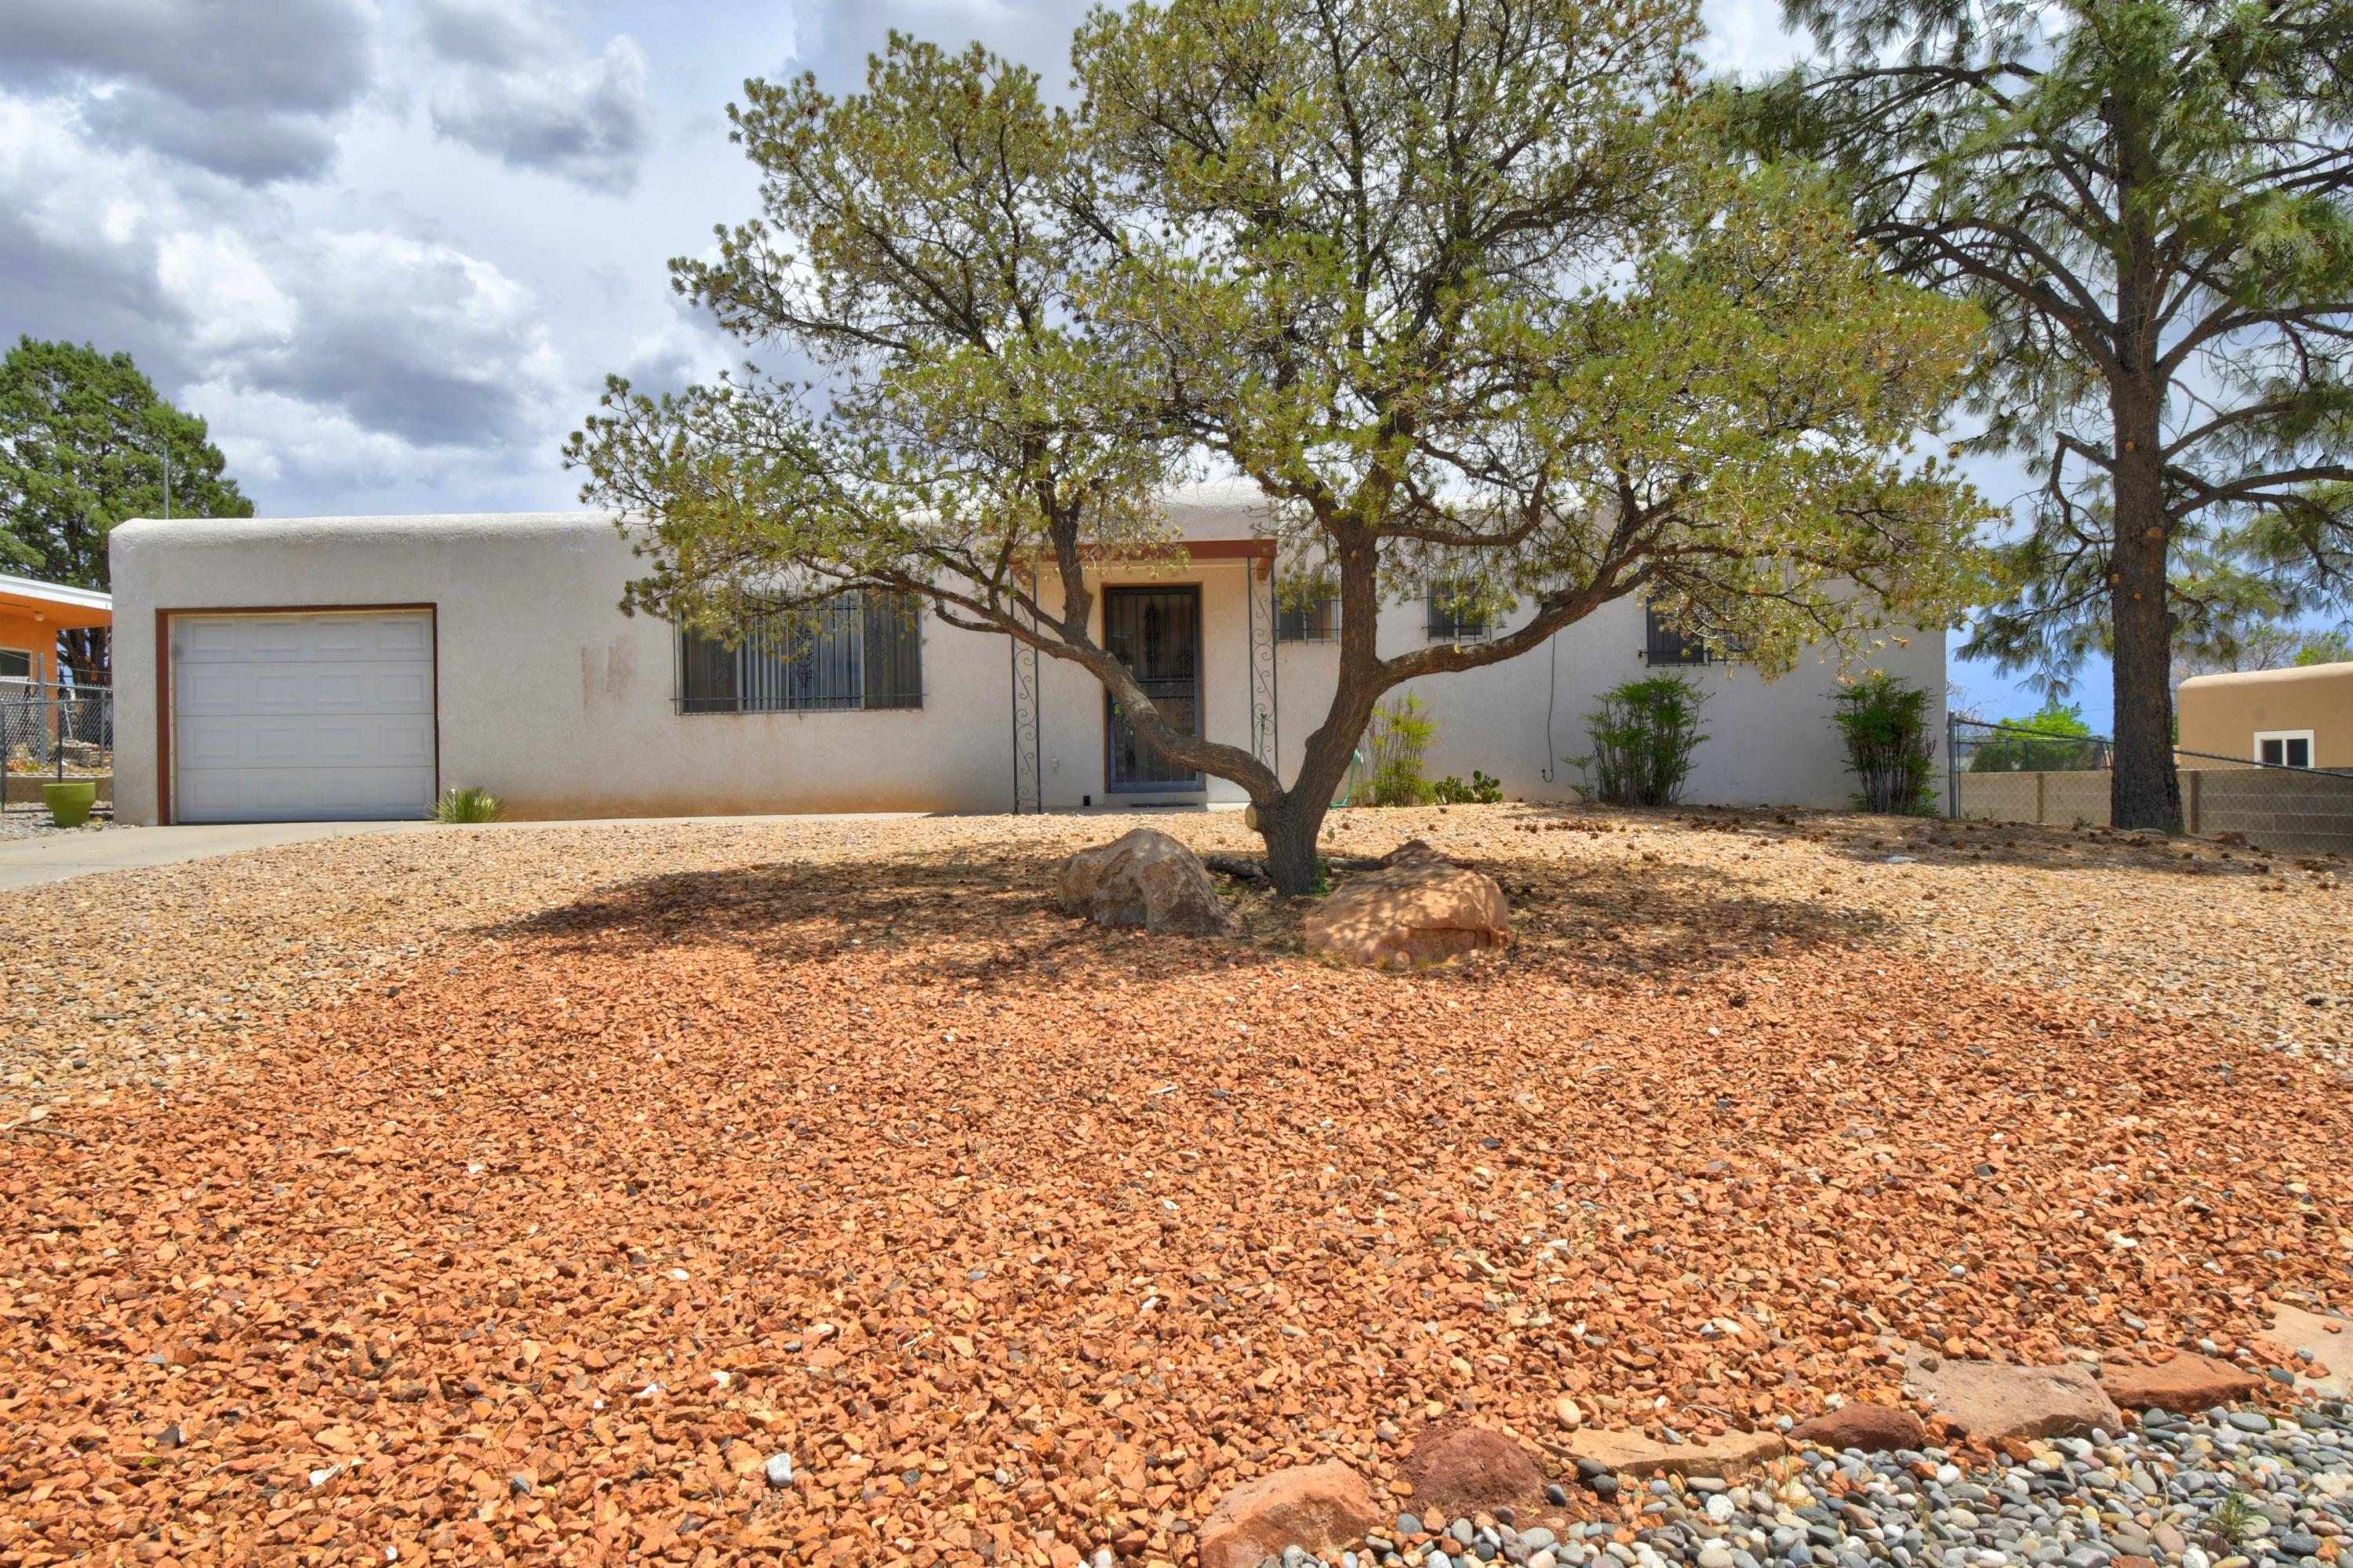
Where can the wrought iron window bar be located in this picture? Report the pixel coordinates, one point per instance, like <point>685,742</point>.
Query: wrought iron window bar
<point>857,651</point>
<point>1452,614</point>
<point>1317,621</point>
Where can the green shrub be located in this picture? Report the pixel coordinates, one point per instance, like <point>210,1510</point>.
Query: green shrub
<point>469,806</point>
<point>1395,740</point>
<point>1643,735</point>
<point>2060,742</point>
<point>1481,792</point>
<point>1884,722</point>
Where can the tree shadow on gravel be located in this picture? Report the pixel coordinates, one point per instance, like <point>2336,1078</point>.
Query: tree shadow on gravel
<point>1956,843</point>
<point>956,921</point>
<point>1867,839</point>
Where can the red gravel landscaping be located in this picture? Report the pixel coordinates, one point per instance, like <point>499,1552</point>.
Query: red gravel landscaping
<point>1023,1238</point>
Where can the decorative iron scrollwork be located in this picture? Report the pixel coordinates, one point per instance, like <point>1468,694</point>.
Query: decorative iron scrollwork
<point>1029,743</point>
<point>1265,613</point>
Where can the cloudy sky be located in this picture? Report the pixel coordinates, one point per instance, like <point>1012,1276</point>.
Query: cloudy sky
<point>390,248</point>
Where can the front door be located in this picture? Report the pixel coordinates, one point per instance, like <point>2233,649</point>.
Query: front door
<point>1156,633</point>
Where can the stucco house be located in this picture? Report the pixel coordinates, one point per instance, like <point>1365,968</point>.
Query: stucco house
<point>2295,718</point>
<point>32,613</point>
<point>351,667</point>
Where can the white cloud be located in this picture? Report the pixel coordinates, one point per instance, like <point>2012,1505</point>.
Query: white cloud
<point>517,87</point>
<point>1747,36</point>
<point>411,338</point>
<point>223,289</point>
<point>269,437</point>
<point>330,359</point>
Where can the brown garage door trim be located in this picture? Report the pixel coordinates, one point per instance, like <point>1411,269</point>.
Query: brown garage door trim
<point>164,799</point>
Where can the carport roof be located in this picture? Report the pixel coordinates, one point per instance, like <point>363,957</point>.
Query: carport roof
<point>55,603</point>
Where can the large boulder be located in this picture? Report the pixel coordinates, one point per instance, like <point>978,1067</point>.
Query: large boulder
<point>1324,1509</point>
<point>1874,1428</point>
<point>1992,1400</point>
<point>1419,908</point>
<point>1469,1470</point>
<point>1145,878</point>
<point>2186,1385</point>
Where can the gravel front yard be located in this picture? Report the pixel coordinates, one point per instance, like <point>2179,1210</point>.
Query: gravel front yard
<point>524,1191</point>
<point>126,979</point>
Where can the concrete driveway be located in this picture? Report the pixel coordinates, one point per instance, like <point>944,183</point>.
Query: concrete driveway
<point>53,857</point>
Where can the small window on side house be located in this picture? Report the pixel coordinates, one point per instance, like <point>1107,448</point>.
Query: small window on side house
<point>1663,643</point>
<point>2284,749</point>
<point>1317,621</point>
<point>15,665</point>
<point>1456,612</point>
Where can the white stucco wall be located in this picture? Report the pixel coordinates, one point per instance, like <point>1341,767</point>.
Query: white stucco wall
<point>551,698</point>
<point>1769,742</point>
<point>549,695</point>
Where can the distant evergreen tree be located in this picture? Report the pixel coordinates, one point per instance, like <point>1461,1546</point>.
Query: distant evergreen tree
<point>82,440</point>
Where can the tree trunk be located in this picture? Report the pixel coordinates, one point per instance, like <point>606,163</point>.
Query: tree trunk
<point>1290,822</point>
<point>2144,791</point>
<point>84,651</point>
<point>1290,830</point>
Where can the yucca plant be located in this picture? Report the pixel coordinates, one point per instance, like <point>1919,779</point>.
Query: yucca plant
<point>469,806</point>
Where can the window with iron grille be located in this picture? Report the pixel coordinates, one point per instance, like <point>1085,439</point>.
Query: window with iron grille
<point>1458,612</point>
<point>856,651</point>
<point>1663,644</point>
<point>1317,621</point>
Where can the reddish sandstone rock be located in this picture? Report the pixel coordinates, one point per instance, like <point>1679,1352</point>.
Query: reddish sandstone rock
<point>1417,911</point>
<point>1470,1469</point>
<point>1874,1428</point>
<point>1324,1508</point>
<point>2293,1330</point>
<point>1144,878</point>
<point>1631,1454</point>
<point>1992,1400</point>
<point>2186,1385</point>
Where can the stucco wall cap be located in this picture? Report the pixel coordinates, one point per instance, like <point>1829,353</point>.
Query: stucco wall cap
<point>238,532</point>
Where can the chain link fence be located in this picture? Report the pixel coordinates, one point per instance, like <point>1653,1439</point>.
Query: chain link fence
<point>51,732</point>
<point>2012,773</point>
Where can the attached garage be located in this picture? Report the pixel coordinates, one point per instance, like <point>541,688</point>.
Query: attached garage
<point>299,715</point>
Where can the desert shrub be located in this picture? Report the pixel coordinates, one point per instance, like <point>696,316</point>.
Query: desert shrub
<point>1884,722</point>
<point>469,806</point>
<point>1481,792</point>
<point>1395,740</point>
<point>1642,736</point>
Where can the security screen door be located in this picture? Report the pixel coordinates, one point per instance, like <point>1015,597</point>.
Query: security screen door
<point>1156,633</point>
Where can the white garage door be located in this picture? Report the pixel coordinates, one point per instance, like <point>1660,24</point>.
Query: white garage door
<point>317,717</point>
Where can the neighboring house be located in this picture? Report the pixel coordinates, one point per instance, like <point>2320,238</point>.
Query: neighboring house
<point>2299,718</point>
<point>355,666</point>
<point>32,614</point>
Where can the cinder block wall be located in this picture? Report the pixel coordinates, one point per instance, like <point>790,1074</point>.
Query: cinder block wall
<point>2305,812</point>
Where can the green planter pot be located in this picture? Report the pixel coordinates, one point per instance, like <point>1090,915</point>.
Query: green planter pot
<point>69,805</point>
